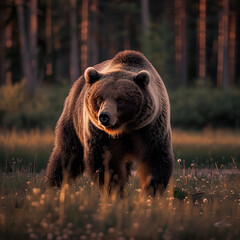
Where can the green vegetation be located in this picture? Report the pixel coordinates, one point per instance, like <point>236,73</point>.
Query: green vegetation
<point>194,108</point>
<point>199,204</point>
<point>25,150</point>
<point>21,111</point>
<point>202,107</point>
<point>31,149</point>
<point>209,148</point>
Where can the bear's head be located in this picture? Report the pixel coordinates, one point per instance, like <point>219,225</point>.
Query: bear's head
<point>115,100</point>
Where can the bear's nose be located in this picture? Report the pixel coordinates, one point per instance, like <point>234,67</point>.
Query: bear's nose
<point>104,118</point>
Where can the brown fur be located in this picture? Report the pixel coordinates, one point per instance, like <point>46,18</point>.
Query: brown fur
<point>119,109</point>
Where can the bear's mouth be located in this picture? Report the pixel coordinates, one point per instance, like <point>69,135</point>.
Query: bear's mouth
<point>114,131</point>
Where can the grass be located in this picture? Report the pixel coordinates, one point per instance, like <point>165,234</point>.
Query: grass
<point>27,149</point>
<point>201,202</point>
<point>31,149</point>
<point>207,148</point>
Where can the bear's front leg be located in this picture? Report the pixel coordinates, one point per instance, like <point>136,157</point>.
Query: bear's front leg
<point>105,168</point>
<point>66,160</point>
<point>155,167</point>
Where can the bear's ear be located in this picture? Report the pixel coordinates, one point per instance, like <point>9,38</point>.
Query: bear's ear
<point>91,75</point>
<point>142,78</point>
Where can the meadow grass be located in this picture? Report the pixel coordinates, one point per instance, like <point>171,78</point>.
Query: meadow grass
<point>200,203</point>
<point>31,149</point>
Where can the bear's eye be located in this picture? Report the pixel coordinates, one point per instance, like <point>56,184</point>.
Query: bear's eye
<point>120,101</point>
<point>99,101</point>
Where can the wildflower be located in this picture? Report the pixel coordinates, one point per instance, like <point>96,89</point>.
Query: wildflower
<point>221,224</point>
<point>33,236</point>
<point>89,226</point>
<point>35,204</point>
<point>121,238</point>
<point>49,236</point>
<point>93,235</point>
<point>57,232</point>
<point>111,230</point>
<point>43,196</point>
<point>81,208</point>
<point>83,237</point>
<point>100,234</point>
<point>136,225</point>
<point>70,225</point>
<point>36,191</point>
<point>65,236</point>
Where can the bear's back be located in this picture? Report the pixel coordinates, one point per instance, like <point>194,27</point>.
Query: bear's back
<point>130,59</point>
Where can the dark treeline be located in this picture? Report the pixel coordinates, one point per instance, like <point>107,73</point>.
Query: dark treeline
<point>191,43</point>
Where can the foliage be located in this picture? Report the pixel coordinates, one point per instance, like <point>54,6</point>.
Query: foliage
<point>25,149</point>
<point>205,107</point>
<point>19,110</point>
<point>157,45</point>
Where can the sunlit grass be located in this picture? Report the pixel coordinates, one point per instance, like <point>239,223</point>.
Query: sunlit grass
<point>218,138</point>
<point>208,147</point>
<point>29,148</point>
<point>197,205</point>
<point>25,148</point>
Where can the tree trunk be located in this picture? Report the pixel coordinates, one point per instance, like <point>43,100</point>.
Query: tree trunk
<point>84,36</point>
<point>232,48</point>
<point>48,36</point>
<point>94,51</point>
<point>127,30</point>
<point>220,52</point>
<point>74,62</point>
<point>2,57</point>
<point>33,42</point>
<point>225,44</point>
<point>222,65</point>
<point>145,26</point>
<point>25,54</point>
<point>202,42</point>
<point>180,41</point>
<point>145,15</point>
<point>112,41</point>
<point>8,41</point>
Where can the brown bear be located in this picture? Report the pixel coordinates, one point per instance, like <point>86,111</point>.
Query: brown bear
<point>116,114</point>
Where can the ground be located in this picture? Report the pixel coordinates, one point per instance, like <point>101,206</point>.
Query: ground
<point>200,202</point>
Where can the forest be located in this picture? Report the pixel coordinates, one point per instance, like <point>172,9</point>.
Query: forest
<point>45,45</point>
<point>190,43</point>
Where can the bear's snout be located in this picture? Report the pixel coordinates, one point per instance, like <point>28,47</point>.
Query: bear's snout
<point>107,113</point>
<point>104,118</point>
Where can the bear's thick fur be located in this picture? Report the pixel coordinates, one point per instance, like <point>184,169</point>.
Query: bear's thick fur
<point>117,113</point>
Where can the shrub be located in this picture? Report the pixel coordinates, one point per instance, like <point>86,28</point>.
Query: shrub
<point>19,110</point>
<point>194,108</point>
<point>199,108</point>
